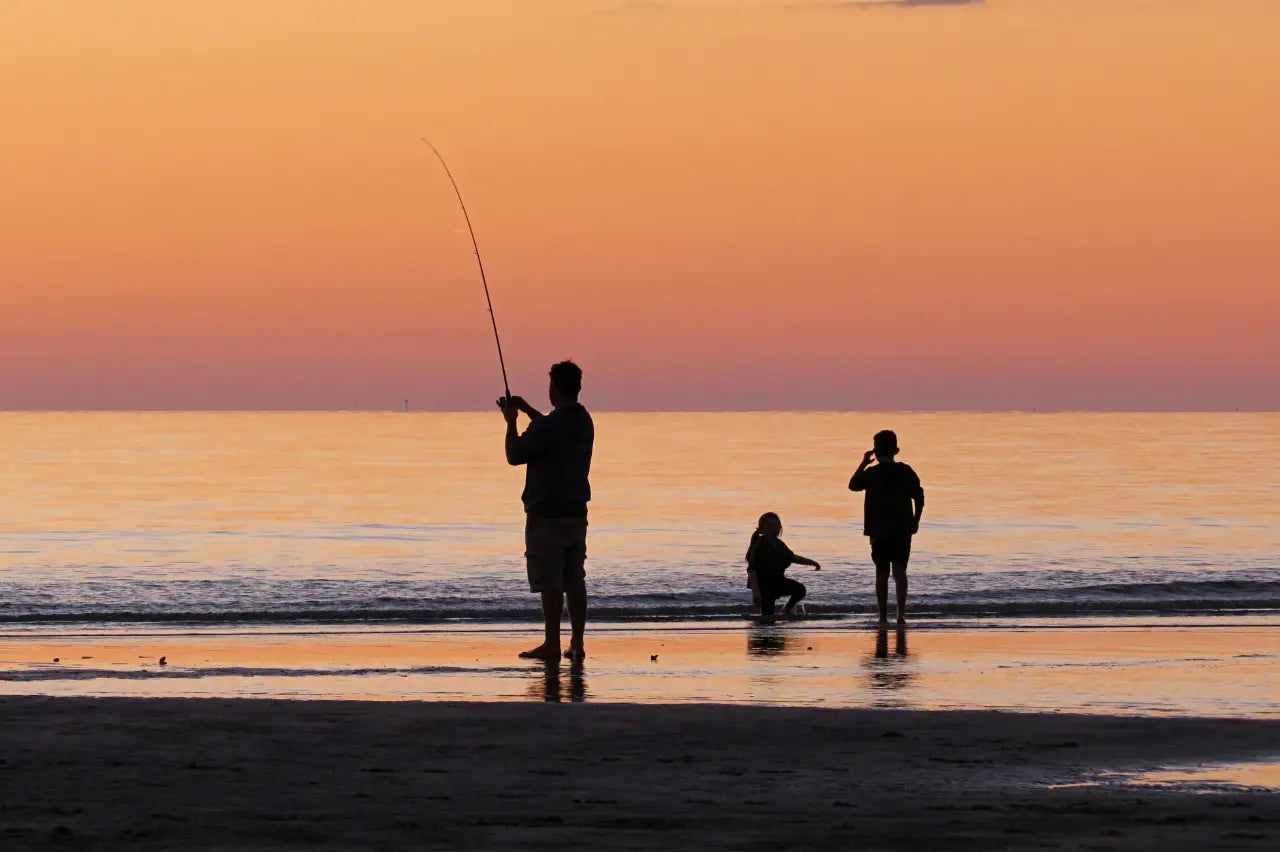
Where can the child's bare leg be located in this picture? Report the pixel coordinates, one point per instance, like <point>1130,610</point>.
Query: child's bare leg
<point>900,585</point>
<point>798,591</point>
<point>766,606</point>
<point>882,592</point>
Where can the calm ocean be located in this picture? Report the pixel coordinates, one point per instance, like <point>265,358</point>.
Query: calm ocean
<point>318,517</point>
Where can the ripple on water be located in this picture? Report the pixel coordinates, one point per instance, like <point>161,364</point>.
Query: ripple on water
<point>1202,778</point>
<point>1224,777</point>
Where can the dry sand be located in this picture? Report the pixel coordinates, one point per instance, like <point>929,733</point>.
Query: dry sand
<point>242,774</point>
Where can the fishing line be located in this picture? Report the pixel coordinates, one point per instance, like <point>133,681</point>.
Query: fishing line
<point>506,389</point>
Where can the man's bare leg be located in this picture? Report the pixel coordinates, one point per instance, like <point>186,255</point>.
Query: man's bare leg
<point>900,584</point>
<point>577,598</point>
<point>552,607</point>
<point>882,593</point>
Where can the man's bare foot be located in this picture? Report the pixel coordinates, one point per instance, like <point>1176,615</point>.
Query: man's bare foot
<point>575,653</point>
<point>902,620</point>
<point>542,652</point>
<point>884,620</point>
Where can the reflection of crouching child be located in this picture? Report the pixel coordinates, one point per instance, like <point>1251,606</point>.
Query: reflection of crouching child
<point>767,561</point>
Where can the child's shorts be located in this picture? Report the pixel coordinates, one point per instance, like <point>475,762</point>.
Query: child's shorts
<point>887,551</point>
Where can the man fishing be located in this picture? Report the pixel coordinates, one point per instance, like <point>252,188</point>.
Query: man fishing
<point>556,452</point>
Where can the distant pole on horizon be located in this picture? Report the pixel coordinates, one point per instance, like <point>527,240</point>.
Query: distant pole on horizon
<point>406,406</point>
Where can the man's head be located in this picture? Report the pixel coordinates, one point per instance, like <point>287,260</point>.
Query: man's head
<point>566,383</point>
<point>885,445</point>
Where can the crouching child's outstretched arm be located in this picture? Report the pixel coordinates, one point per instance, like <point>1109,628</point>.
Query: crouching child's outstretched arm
<point>804,560</point>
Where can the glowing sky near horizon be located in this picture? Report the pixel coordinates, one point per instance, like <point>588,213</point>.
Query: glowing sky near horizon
<point>746,204</point>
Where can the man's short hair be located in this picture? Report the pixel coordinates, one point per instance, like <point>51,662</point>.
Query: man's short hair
<point>567,376</point>
<point>886,439</point>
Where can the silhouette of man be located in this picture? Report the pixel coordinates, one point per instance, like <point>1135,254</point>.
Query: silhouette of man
<point>892,509</point>
<point>556,452</point>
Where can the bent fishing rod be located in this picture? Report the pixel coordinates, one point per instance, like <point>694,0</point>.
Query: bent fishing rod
<point>506,389</point>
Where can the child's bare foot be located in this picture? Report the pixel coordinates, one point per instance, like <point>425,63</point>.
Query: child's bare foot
<point>543,652</point>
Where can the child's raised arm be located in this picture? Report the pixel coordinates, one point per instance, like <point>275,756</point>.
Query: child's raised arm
<point>804,560</point>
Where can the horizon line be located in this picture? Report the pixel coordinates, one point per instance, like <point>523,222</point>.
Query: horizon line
<point>402,411</point>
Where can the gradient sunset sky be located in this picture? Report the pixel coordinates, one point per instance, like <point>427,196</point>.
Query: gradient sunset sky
<point>709,205</point>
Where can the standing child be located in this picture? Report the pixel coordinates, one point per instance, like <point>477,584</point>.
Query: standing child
<point>891,516</point>
<point>767,561</point>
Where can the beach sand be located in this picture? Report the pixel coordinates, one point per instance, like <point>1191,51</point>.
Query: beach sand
<point>113,773</point>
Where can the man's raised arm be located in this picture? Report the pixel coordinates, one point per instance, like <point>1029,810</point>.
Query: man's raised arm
<point>529,411</point>
<point>510,411</point>
<point>521,448</point>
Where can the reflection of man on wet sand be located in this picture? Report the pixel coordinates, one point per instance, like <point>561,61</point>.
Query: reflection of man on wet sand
<point>550,686</point>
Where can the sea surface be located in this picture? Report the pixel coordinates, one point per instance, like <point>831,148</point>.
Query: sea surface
<point>414,518</point>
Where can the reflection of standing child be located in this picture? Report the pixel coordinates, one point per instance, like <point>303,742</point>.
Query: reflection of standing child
<point>767,561</point>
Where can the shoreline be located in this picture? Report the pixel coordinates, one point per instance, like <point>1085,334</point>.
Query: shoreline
<point>278,774</point>
<point>955,615</point>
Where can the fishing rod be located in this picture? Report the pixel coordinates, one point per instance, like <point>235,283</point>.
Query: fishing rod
<point>506,389</point>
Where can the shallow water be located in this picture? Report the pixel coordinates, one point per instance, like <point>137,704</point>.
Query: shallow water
<point>306,517</point>
<point>1262,775</point>
<point>1225,777</point>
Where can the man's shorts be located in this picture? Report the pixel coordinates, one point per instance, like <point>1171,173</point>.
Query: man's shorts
<point>555,550</point>
<point>891,551</point>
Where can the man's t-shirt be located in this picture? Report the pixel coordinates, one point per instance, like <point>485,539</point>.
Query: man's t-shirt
<point>887,509</point>
<point>556,451</point>
<point>770,558</point>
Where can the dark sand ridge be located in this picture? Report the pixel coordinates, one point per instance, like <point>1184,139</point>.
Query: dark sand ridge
<point>246,774</point>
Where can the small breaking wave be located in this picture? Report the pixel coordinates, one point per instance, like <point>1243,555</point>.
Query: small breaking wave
<point>1213,598</point>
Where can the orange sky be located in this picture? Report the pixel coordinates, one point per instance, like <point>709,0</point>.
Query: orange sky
<point>722,204</point>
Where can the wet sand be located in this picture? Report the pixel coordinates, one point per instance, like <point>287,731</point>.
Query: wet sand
<point>96,773</point>
<point>1135,667</point>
